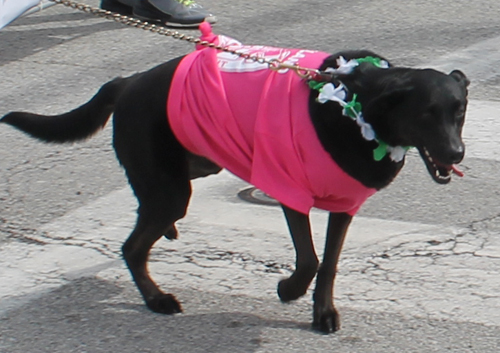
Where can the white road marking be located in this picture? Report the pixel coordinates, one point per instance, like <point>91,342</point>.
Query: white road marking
<point>227,245</point>
<point>482,130</point>
<point>480,62</point>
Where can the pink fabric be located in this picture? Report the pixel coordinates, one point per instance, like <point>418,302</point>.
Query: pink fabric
<point>255,123</point>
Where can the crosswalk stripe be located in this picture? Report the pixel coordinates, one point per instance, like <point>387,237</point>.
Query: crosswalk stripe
<point>480,61</point>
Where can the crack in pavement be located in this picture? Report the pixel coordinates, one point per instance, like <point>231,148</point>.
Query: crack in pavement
<point>481,224</point>
<point>459,244</point>
<point>238,258</point>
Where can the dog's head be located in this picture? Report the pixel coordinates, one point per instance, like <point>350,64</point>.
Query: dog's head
<point>413,107</point>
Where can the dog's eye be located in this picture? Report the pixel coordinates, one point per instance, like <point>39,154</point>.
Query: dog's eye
<point>460,113</point>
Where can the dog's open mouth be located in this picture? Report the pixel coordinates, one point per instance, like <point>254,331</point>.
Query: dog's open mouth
<point>441,173</point>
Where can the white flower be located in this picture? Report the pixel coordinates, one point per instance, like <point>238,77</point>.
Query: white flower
<point>366,129</point>
<point>384,64</point>
<point>345,67</point>
<point>331,93</point>
<point>396,153</point>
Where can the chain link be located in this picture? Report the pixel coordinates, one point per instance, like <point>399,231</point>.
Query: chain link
<point>273,64</point>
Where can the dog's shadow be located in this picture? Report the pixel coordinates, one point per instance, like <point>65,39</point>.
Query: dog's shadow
<point>83,315</point>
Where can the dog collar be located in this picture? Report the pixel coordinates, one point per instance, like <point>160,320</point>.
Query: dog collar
<point>353,109</point>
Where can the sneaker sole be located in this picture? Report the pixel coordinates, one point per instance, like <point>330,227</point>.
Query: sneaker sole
<point>209,19</point>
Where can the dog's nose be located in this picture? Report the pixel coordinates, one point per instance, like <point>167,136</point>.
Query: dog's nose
<point>456,155</point>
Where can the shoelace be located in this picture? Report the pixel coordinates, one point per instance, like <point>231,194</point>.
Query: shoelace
<point>188,3</point>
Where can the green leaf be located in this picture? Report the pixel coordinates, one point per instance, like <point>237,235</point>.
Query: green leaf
<point>370,59</point>
<point>353,108</point>
<point>315,85</point>
<point>380,152</point>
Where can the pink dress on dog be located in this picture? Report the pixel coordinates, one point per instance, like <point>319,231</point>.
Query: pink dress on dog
<point>255,123</point>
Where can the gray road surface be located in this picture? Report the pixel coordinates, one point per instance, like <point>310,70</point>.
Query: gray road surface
<point>419,272</point>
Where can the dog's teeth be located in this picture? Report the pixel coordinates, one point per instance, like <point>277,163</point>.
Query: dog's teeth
<point>426,152</point>
<point>430,158</point>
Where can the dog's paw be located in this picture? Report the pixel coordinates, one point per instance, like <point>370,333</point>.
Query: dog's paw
<point>288,290</point>
<point>326,320</point>
<point>164,304</point>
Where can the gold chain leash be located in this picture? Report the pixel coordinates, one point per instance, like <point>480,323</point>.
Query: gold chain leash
<point>273,64</point>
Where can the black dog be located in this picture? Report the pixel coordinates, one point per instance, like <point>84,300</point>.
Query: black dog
<point>405,107</point>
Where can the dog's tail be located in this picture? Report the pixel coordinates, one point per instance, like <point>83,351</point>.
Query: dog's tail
<point>78,124</point>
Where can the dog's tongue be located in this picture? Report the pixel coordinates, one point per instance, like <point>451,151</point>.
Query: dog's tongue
<point>457,171</point>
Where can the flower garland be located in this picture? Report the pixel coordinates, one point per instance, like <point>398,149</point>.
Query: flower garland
<point>353,108</point>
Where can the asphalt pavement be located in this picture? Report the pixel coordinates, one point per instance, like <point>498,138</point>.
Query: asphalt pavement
<point>420,265</point>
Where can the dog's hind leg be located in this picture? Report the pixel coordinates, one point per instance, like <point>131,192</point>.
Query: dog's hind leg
<point>157,169</point>
<point>325,316</point>
<point>151,225</point>
<point>198,167</point>
<point>306,263</point>
<point>158,172</point>
<point>163,197</point>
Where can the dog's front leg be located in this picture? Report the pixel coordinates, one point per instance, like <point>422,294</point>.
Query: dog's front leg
<point>325,316</point>
<point>306,263</point>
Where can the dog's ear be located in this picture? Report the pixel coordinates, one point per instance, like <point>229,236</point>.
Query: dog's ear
<point>460,77</point>
<point>362,78</point>
<point>389,95</point>
<point>389,91</point>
